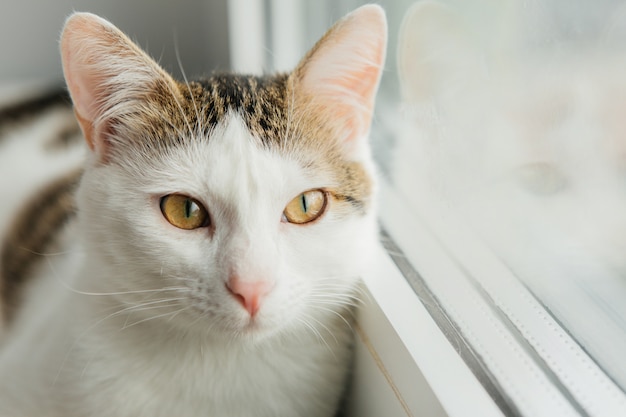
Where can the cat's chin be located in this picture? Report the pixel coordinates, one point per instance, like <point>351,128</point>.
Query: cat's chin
<point>237,327</point>
<point>255,332</point>
<point>252,334</point>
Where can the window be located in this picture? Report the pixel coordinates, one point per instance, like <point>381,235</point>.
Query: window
<point>501,288</point>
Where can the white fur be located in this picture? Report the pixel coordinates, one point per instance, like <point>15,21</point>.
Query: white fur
<point>75,354</point>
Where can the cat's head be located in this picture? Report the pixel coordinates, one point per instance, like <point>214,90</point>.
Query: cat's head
<point>252,198</point>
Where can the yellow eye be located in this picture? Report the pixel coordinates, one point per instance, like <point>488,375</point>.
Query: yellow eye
<point>306,207</point>
<point>184,212</point>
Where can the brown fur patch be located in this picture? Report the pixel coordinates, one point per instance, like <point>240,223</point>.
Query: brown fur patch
<point>318,135</point>
<point>31,235</point>
<point>202,104</point>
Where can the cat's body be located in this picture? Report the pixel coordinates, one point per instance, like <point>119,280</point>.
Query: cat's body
<point>132,309</point>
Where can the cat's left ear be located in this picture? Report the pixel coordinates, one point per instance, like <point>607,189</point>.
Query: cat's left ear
<point>339,77</point>
<point>108,76</point>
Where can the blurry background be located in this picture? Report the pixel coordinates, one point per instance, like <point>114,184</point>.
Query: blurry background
<point>30,30</point>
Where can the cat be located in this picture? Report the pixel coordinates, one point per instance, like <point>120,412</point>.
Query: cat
<point>526,150</point>
<point>200,256</point>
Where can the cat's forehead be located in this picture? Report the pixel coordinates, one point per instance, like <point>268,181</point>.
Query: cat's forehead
<point>199,109</point>
<point>202,114</point>
<point>234,164</point>
<point>259,100</point>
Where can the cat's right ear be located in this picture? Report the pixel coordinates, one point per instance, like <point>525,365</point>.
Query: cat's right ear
<point>436,54</point>
<point>107,76</point>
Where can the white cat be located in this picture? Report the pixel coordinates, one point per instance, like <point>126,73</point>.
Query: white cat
<point>221,228</point>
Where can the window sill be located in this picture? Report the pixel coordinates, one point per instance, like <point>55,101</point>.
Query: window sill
<point>483,346</point>
<point>405,364</point>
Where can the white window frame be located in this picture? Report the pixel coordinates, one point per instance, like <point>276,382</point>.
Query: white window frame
<point>518,354</point>
<point>418,370</point>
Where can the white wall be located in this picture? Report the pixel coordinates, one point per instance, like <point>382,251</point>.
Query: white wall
<point>29,32</point>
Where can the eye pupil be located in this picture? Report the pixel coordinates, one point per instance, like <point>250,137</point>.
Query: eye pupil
<point>188,208</point>
<point>303,202</point>
<point>306,207</point>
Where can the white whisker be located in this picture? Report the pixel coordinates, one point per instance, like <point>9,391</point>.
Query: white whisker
<point>157,290</point>
<point>178,312</point>
<point>148,319</point>
<point>329,310</point>
<point>98,322</point>
<point>193,100</point>
<point>315,332</point>
<point>180,109</point>
<point>173,302</point>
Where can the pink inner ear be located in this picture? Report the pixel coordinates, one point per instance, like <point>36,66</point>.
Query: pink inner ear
<point>82,92</point>
<point>344,70</point>
<point>83,87</point>
<point>358,115</point>
<point>84,37</point>
<point>87,128</point>
<point>107,75</point>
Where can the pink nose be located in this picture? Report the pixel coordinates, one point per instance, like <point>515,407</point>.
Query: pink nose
<point>249,293</point>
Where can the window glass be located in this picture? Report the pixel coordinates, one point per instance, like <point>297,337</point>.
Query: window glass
<point>514,120</point>
<point>512,116</point>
